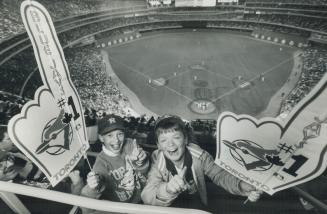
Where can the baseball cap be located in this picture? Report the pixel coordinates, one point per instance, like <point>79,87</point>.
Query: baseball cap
<point>109,123</point>
<point>167,118</point>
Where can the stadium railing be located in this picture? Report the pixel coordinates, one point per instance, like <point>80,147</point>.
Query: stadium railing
<point>314,201</point>
<point>101,205</point>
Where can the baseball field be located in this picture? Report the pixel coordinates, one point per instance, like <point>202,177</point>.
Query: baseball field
<point>198,74</point>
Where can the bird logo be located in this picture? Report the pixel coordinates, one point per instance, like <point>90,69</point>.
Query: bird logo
<point>253,156</point>
<point>57,129</point>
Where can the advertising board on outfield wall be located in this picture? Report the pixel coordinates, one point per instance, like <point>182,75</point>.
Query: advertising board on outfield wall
<point>227,1</point>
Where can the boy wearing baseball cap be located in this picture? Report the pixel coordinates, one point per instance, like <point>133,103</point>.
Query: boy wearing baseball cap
<point>120,170</point>
<point>177,174</point>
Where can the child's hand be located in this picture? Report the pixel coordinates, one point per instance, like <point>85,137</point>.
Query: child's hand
<point>141,157</point>
<point>93,180</point>
<point>254,195</point>
<point>75,177</point>
<point>138,155</point>
<point>250,191</point>
<point>38,174</point>
<point>177,184</point>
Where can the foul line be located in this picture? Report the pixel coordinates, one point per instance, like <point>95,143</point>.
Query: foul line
<point>146,76</point>
<point>255,77</point>
<point>132,69</point>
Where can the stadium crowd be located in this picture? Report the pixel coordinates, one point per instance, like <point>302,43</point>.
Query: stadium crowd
<point>316,23</point>
<point>256,26</point>
<point>314,2</point>
<point>92,28</point>
<point>139,28</point>
<point>95,87</point>
<point>11,22</point>
<point>10,105</point>
<point>314,67</point>
<point>268,20</point>
<point>10,18</point>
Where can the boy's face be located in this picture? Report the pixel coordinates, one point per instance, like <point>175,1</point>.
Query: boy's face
<point>7,169</point>
<point>172,142</point>
<point>113,141</point>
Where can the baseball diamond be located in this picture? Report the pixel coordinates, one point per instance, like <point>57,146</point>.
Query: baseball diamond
<point>223,68</point>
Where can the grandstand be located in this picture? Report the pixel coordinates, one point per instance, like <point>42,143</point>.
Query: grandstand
<point>158,30</point>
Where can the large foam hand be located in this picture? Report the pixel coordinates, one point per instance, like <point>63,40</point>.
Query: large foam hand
<point>271,154</point>
<point>56,136</point>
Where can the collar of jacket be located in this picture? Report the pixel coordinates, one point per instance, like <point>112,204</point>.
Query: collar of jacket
<point>195,152</point>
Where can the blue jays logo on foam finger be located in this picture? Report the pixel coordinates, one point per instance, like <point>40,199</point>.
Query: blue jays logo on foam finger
<point>50,129</point>
<point>274,154</point>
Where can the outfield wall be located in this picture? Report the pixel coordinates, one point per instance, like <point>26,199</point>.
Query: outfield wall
<point>281,38</point>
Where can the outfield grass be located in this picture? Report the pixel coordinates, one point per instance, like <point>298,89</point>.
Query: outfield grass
<point>215,58</point>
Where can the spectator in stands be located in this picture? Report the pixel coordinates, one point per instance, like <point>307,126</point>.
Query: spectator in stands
<point>20,167</point>
<point>7,170</point>
<point>119,172</point>
<point>314,68</point>
<point>176,177</point>
<point>17,168</point>
<point>6,144</point>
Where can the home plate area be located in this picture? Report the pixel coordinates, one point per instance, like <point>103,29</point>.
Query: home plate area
<point>202,106</point>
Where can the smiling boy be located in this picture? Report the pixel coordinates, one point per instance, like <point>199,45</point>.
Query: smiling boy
<point>119,172</point>
<point>177,175</point>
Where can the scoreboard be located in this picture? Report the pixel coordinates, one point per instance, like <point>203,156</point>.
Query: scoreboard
<point>195,3</point>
